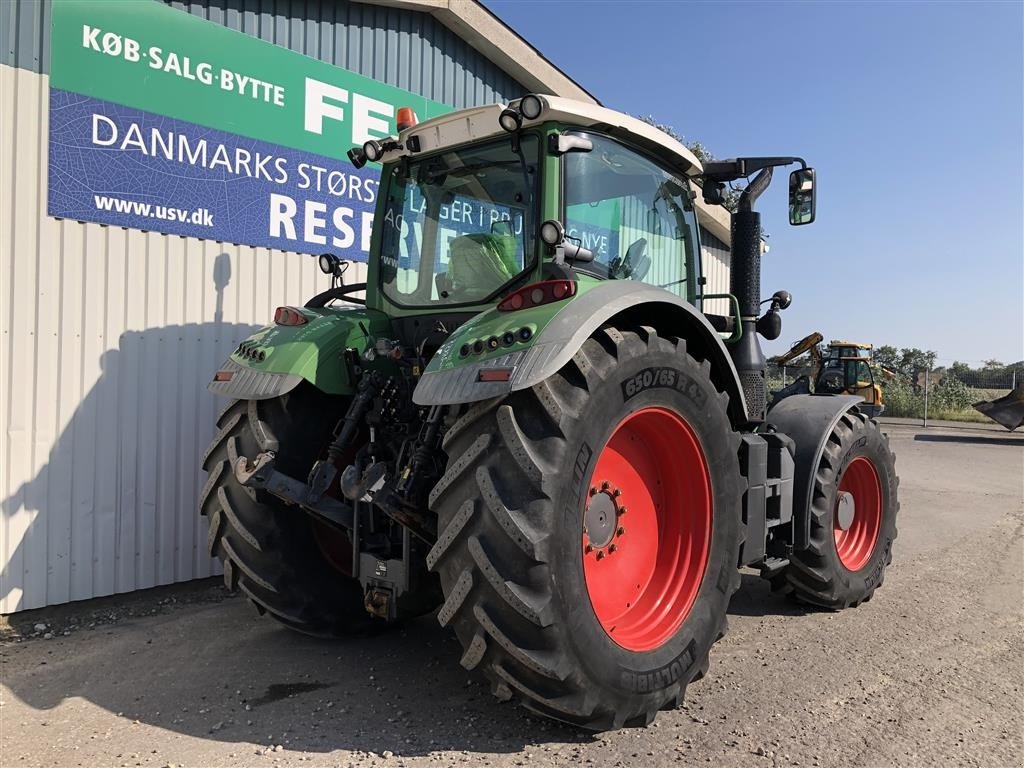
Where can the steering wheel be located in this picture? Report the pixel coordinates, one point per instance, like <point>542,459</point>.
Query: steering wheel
<point>634,265</point>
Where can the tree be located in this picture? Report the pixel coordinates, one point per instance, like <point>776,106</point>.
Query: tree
<point>960,370</point>
<point>914,360</point>
<point>887,357</point>
<point>732,197</point>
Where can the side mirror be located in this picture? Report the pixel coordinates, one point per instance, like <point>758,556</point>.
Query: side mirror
<point>801,196</point>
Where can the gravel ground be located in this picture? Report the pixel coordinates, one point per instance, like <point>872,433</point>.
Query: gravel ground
<point>928,673</point>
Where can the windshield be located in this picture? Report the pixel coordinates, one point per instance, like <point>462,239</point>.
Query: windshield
<point>458,225</point>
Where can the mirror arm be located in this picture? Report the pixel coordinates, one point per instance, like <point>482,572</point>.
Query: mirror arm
<point>731,170</point>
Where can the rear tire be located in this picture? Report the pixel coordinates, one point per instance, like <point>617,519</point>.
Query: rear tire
<point>843,568</point>
<point>269,551</point>
<point>511,551</point>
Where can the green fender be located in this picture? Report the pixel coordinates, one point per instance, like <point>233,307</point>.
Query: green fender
<point>277,358</point>
<point>557,331</point>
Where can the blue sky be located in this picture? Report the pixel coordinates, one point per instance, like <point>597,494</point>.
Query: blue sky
<point>912,114</point>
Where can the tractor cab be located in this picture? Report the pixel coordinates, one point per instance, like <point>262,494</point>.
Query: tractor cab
<point>846,369</point>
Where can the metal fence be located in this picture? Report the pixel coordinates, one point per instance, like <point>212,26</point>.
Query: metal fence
<point>946,390</point>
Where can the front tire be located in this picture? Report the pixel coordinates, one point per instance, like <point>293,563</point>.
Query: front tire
<point>522,500</point>
<point>853,519</point>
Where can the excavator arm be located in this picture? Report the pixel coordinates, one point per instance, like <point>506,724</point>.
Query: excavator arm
<point>808,344</point>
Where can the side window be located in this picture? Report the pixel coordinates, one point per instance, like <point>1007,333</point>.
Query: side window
<point>636,217</point>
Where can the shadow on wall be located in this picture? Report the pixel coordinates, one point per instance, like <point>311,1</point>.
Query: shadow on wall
<point>113,509</point>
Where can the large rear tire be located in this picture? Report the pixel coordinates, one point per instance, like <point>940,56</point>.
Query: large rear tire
<point>271,552</point>
<point>853,519</point>
<point>528,523</point>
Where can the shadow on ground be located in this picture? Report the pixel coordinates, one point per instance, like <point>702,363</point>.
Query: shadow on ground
<point>193,661</point>
<point>755,598</point>
<point>971,439</point>
<point>215,670</point>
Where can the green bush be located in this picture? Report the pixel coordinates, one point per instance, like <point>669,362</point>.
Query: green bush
<point>951,395</point>
<point>901,400</point>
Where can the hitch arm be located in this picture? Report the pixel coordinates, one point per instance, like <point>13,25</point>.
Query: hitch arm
<point>261,475</point>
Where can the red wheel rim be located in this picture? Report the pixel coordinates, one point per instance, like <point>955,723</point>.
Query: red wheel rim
<point>647,528</point>
<point>335,546</point>
<point>855,544</point>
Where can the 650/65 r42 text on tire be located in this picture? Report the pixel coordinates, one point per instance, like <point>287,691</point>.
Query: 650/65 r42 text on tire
<point>853,519</point>
<point>590,529</point>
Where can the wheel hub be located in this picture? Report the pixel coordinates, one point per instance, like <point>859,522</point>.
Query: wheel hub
<point>846,509</point>
<point>601,519</point>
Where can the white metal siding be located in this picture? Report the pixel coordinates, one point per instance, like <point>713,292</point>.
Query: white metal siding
<point>715,262</point>
<point>109,337</point>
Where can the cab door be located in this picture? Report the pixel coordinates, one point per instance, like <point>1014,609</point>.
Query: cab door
<point>635,215</point>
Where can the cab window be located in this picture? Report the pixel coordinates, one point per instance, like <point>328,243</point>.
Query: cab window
<point>636,217</point>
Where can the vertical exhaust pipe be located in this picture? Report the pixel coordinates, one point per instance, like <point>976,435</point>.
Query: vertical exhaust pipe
<point>745,285</point>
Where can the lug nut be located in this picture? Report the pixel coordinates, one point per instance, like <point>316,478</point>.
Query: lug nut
<point>620,532</point>
<point>600,554</point>
<point>588,549</point>
<point>616,493</point>
<point>622,510</point>
<point>611,548</point>
<point>605,485</point>
<point>593,491</point>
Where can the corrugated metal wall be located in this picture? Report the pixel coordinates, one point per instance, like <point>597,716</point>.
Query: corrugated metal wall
<point>109,335</point>
<point>404,48</point>
<point>715,262</point>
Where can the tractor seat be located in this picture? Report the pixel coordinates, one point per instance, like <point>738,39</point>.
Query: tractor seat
<point>480,263</point>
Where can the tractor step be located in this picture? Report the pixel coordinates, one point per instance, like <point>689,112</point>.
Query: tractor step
<point>773,566</point>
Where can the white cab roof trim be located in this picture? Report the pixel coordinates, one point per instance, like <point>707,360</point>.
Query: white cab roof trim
<point>572,111</point>
<point>481,122</point>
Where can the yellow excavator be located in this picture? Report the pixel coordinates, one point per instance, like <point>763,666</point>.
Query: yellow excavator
<point>844,369</point>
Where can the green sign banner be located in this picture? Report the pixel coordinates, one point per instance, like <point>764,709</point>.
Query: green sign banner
<point>161,120</point>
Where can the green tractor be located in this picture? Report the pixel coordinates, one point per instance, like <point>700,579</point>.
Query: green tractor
<point>530,425</point>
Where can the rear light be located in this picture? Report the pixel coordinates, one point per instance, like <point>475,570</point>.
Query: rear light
<point>406,118</point>
<point>223,375</point>
<point>289,316</point>
<point>536,294</point>
<point>494,374</point>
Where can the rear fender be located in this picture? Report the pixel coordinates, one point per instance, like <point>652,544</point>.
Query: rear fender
<point>278,358</point>
<point>808,420</point>
<point>453,378</point>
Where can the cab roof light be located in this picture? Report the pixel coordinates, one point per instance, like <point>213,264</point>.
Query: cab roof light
<point>289,316</point>
<point>510,119</point>
<point>536,294</point>
<point>531,106</point>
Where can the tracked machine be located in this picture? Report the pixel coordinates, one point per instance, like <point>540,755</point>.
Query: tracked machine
<point>525,421</point>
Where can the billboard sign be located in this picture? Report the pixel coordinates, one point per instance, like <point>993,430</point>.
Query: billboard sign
<point>162,121</point>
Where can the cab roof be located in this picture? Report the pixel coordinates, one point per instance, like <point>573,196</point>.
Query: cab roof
<point>476,123</point>
<point>856,344</point>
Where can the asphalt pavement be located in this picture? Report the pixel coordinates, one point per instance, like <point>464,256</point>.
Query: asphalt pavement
<point>929,673</point>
